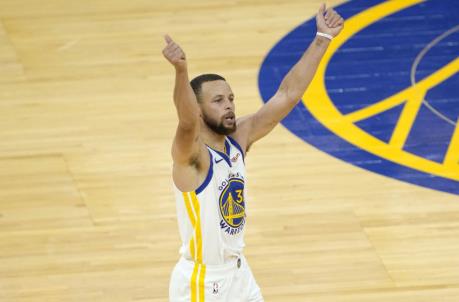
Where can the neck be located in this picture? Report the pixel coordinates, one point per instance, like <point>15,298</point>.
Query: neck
<point>214,140</point>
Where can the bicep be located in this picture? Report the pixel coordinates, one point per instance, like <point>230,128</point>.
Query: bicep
<point>186,145</point>
<point>191,160</point>
<point>268,116</point>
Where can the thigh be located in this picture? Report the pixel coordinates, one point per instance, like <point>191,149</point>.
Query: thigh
<point>244,285</point>
<point>213,287</point>
<point>179,285</point>
<point>217,288</point>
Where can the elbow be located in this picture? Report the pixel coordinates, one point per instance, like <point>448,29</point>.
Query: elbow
<point>290,96</point>
<point>294,95</point>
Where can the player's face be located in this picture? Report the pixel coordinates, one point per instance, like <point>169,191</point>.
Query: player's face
<point>217,107</point>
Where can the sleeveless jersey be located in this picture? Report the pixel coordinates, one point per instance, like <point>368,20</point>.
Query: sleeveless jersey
<point>211,219</point>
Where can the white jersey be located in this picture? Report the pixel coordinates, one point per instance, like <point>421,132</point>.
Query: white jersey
<point>211,219</point>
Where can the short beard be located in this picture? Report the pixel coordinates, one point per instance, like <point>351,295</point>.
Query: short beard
<point>218,128</point>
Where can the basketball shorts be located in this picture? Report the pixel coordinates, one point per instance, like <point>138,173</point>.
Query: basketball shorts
<point>230,282</point>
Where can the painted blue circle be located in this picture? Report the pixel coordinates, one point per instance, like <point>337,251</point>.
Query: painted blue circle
<point>371,66</point>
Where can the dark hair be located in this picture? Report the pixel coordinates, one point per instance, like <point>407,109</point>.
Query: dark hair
<point>196,83</point>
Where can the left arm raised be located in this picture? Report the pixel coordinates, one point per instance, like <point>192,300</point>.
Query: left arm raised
<point>294,84</point>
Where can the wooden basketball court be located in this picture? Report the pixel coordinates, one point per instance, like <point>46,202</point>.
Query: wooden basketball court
<point>87,211</point>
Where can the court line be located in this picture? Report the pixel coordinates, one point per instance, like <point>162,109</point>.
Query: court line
<point>418,59</point>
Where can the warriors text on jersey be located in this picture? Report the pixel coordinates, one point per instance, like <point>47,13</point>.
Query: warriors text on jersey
<point>212,218</point>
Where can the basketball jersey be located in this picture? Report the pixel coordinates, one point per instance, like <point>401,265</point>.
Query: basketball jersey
<point>211,219</point>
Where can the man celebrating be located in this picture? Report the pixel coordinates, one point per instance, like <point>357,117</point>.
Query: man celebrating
<point>208,152</point>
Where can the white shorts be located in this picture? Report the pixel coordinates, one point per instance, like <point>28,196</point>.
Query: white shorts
<point>230,282</point>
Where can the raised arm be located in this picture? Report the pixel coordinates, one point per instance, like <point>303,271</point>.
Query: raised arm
<point>294,84</point>
<point>185,148</point>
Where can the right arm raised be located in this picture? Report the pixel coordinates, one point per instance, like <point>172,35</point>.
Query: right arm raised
<point>186,145</point>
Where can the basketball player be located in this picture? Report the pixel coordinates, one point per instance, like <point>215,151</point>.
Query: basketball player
<point>208,151</point>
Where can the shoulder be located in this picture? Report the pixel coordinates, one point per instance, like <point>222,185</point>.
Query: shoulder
<point>241,135</point>
<point>237,144</point>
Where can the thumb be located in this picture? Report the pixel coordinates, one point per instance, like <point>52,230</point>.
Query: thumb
<point>168,39</point>
<point>322,9</point>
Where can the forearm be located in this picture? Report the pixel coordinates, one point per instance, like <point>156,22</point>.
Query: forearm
<point>185,100</point>
<point>298,78</point>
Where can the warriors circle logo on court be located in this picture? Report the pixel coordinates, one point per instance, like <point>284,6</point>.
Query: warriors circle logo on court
<point>385,95</point>
<point>232,206</point>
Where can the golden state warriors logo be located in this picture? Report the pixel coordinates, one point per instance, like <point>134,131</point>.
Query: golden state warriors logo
<point>232,206</point>
<point>386,95</point>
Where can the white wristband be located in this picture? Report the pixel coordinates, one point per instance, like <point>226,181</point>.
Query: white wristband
<point>329,37</point>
